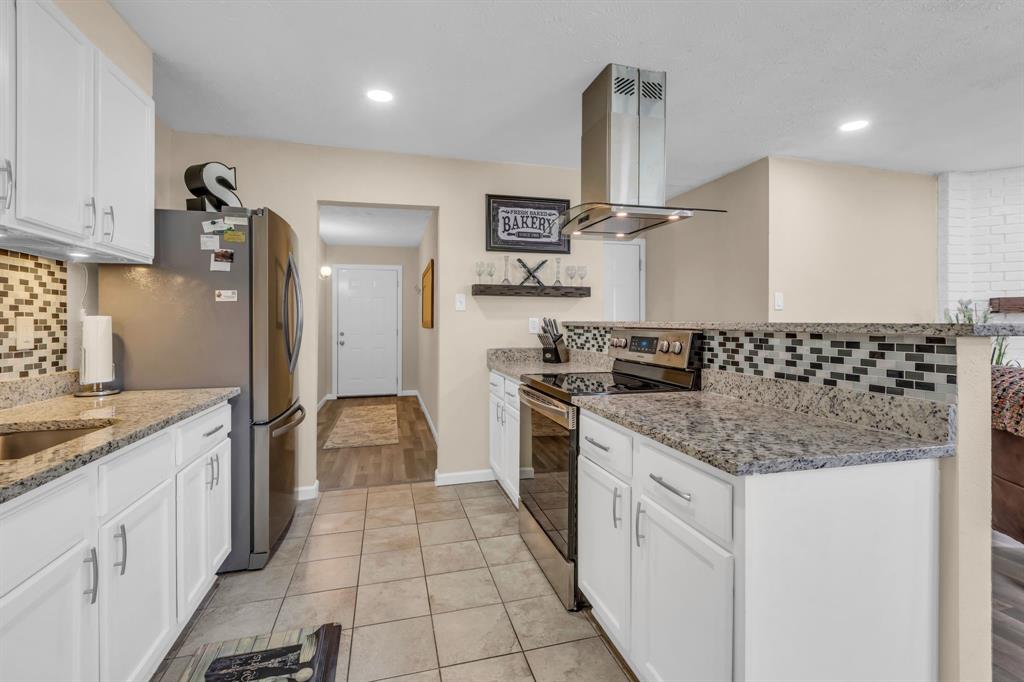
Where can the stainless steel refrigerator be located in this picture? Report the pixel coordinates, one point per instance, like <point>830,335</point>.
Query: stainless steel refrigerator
<point>222,308</point>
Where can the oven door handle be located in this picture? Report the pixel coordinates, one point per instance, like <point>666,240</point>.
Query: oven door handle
<point>555,410</point>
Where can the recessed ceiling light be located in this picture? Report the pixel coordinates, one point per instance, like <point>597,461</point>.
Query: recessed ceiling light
<point>621,214</point>
<point>77,254</point>
<point>576,233</point>
<point>380,95</point>
<point>673,217</point>
<point>850,126</point>
<point>620,235</point>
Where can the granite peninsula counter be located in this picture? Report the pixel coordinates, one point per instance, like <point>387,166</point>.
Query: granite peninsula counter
<point>124,419</point>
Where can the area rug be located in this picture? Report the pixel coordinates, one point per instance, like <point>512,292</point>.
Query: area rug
<point>307,655</point>
<point>363,425</point>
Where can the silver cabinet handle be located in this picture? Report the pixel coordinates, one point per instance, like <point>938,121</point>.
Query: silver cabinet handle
<point>615,503</point>
<point>216,460</point>
<point>341,343</point>
<point>123,535</point>
<point>597,445</point>
<point>671,488</point>
<point>91,204</point>
<point>7,170</point>
<point>213,431</point>
<point>110,211</point>
<point>94,590</point>
<point>502,406</point>
<point>210,462</point>
<point>636,530</point>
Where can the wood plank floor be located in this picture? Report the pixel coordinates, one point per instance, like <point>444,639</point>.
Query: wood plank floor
<point>1007,609</point>
<point>413,458</point>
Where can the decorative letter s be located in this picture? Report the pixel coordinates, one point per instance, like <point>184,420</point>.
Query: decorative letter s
<point>212,184</point>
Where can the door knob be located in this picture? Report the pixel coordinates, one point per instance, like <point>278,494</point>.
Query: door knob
<point>340,334</point>
<point>341,343</point>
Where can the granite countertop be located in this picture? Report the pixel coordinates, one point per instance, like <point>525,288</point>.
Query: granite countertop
<point>906,329</point>
<point>125,418</point>
<point>744,438</point>
<point>515,362</point>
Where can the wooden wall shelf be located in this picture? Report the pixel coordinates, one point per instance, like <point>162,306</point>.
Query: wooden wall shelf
<point>1007,304</point>
<point>528,290</point>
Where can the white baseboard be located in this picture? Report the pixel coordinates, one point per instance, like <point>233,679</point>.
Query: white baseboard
<point>455,477</point>
<point>526,472</point>
<point>409,392</point>
<point>329,396</point>
<point>308,492</point>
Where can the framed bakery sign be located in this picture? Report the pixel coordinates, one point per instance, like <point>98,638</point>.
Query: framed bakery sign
<point>525,224</point>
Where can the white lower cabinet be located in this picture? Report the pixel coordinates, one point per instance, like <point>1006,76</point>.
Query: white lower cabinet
<point>603,554</point>
<point>137,604</point>
<point>510,454</point>
<point>682,600</point>
<point>101,568</point>
<point>49,629</point>
<point>503,433</point>
<point>495,434</point>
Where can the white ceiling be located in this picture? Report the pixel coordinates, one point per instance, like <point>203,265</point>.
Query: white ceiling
<point>942,82</point>
<point>372,225</point>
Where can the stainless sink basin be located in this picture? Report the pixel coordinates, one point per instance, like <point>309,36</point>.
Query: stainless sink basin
<point>24,443</point>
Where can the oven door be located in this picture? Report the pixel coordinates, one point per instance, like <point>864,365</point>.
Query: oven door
<point>547,466</point>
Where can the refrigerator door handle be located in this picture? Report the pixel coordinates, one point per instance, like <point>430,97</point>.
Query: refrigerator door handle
<point>292,424</point>
<point>298,313</point>
<point>287,313</point>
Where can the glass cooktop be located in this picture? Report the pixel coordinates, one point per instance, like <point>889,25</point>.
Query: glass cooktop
<point>598,383</point>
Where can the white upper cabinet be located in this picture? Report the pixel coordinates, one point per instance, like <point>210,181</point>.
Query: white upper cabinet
<point>77,143</point>
<point>55,86</point>
<point>124,162</point>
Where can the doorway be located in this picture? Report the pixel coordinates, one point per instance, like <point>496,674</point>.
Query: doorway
<point>368,330</point>
<point>624,287</point>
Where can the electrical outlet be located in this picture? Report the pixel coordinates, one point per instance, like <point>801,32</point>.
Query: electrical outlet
<point>780,302</point>
<point>460,302</point>
<point>24,333</point>
<point>534,325</point>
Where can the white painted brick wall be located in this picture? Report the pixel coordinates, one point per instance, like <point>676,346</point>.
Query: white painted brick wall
<point>981,239</point>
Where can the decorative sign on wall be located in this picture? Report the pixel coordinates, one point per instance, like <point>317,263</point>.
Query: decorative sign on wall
<point>212,184</point>
<point>427,296</point>
<point>525,224</point>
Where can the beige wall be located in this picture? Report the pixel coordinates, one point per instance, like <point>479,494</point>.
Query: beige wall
<point>427,339</point>
<point>294,178</point>
<point>713,267</point>
<point>102,25</point>
<point>841,243</point>
<point>408,258</point>
<point>852,244</point>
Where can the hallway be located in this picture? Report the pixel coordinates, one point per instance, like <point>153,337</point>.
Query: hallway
<point>412,459</point>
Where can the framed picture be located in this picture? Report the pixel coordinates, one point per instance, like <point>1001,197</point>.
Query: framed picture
<point>525,224</point>
<point>427,298</point>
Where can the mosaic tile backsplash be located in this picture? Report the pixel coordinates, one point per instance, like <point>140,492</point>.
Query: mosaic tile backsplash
<point>916,367</point>
<point>34,286</point>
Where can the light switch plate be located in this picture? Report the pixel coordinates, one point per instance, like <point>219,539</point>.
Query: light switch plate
<point>24,336</point>
<point>780,301</point>
<point>534,325</point>
<point>460,302</point>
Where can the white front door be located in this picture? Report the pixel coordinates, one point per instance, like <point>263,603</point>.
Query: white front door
<point>367,324</point>
<point>623,283</point>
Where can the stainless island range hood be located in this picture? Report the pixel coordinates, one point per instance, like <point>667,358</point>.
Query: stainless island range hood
<point>623,157</point>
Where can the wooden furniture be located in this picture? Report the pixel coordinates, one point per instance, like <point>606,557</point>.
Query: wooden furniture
<point>76,143</point>
<point>530,290</point>
<point>1008,484</point>
<point>1007,304</point>
<point>102,568</point>
<point>503,429</point>
<point>695,574</point>
<point>427,296</point>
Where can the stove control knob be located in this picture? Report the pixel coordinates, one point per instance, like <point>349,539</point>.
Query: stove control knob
<point>663,346</point>
<point>616,342</point>
<point>677,347</point>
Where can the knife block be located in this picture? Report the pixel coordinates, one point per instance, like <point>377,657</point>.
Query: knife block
<point>553,350</point>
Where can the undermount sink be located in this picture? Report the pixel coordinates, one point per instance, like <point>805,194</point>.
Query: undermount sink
<point>24,443</point>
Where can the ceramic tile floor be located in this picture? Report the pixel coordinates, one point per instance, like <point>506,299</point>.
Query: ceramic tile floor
<point>429,584</point>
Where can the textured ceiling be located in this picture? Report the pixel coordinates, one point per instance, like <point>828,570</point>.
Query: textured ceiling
<point>346,225</point>
<point>942,82</point>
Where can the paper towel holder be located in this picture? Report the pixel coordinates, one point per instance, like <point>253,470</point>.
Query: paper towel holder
<point>96,369</point>
<point>97,389</point>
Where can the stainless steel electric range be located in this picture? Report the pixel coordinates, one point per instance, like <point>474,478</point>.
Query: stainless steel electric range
<point>646,361</point>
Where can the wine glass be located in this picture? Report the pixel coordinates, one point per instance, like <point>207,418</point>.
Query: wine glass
<point>490,272</point>
<point>558,269</point>
<point>582,272</point>
<point>479,271</point>
<point>506,280</point>
<point>571,271</point>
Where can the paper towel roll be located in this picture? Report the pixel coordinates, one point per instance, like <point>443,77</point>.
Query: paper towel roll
<point>97,350</point>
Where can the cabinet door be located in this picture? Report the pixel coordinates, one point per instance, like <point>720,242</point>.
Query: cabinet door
<point>219,544</point>
<point>53,177</point>
<point>137,604</point>
<point>682,600</point>
<point>603,553</point>
<point>49,624</point>
<point>496,437</point>
<point>7,112</point>
<point>124,163</point>
<point>193,501</point>
<point>510,453</point>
